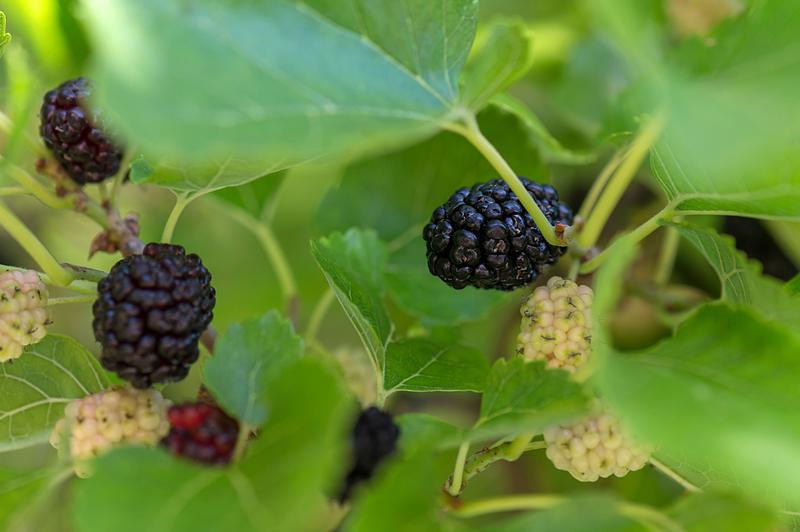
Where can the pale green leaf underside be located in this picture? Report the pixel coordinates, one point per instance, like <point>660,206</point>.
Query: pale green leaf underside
<point>731,380</point>
<point>203,177</point>
<point>311,77</point>
<point>742,283</point>
<point>353,264</point>
<point>36,388</point>
<point>425,365</point>
<point>773,192</point>
<point>244,361</point>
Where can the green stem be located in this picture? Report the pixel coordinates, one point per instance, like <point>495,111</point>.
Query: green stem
<point>479,461</point>
<point>458,473</point>
<point>688,486</point>
<point>82,287</point>
<point>631,238</point>
<point>473,134</point>
<point>272,248</point>
<point>13,191</point>
<point>666,258</point>
<point>70,299</point>
<point>181,201</point>
<point>649,517</point>
<point>518,446</point>
<point>508,503</point>
<point>41,192</point>
<point>619,181</point>
<point>600,183</point>
<point>318,315</point>
<point>25,238</point>
<point>241,442</point>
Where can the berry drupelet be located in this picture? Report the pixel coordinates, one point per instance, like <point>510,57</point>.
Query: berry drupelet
<point>483,236</point>
<point>77,134</point>
<point>150,313</point>
<point>202,432</point>
<point>374,438</point>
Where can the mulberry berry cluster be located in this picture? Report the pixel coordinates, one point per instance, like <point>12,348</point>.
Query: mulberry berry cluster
<point>23,316</point>
<point>150,313</point>
<point>116,416</point>
<point>77,134</point>
<point>202,432</point>
<point>557,324</point>
<point>483,236</point>
<point>597,446</point>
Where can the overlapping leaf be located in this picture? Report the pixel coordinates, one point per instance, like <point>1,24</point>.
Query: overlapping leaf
<point>311,77</point>
<point>354,263</point>
<point>277,487</point>
<point>38,386</point>
<point>246,359</point>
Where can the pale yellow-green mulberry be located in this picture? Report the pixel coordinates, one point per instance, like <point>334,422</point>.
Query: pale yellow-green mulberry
<point>23,313</point>
<point>557,324</point>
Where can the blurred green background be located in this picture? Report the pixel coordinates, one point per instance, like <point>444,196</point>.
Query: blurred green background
<point>574,87</point>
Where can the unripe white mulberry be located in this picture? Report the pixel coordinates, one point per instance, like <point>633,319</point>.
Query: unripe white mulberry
<point>23,316</point>
<point>557,324</point>
<point>596,446</point>
<point>116,416</point>
<point>358,374</point>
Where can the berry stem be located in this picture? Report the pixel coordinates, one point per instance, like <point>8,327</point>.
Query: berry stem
<point>618,182</point>
<point>181,202</point>
<point>458,473</point>
<point>318,315</point>
<point>601,181</point>
<point>473,134</point>
<point>508,503</point>
<point>33,186</point>
<point>482,459</point>
<point>241,442</point>
<point>82,287</point>
<point>633,237</point>
<point>70,299</point>
<point>13,191</point>
<point>30,243</point>
<point>269,242</point>
<point>666,258</point>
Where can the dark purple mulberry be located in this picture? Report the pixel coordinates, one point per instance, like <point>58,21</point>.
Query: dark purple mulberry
<point>483,236</point>
<point>374,438</point>
<point>150,313</point>
<point>77,134</point>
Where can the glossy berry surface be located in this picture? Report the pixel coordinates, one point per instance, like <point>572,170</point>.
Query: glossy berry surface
<point>77,134</point>
<point>150,313</point>
<point>483,236</point>
<point>201,432</point>
<point>374,438</point>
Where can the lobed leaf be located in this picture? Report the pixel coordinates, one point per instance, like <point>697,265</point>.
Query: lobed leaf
<point>246,359</point>
<point>38,386</point>
<point>353,264</point>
